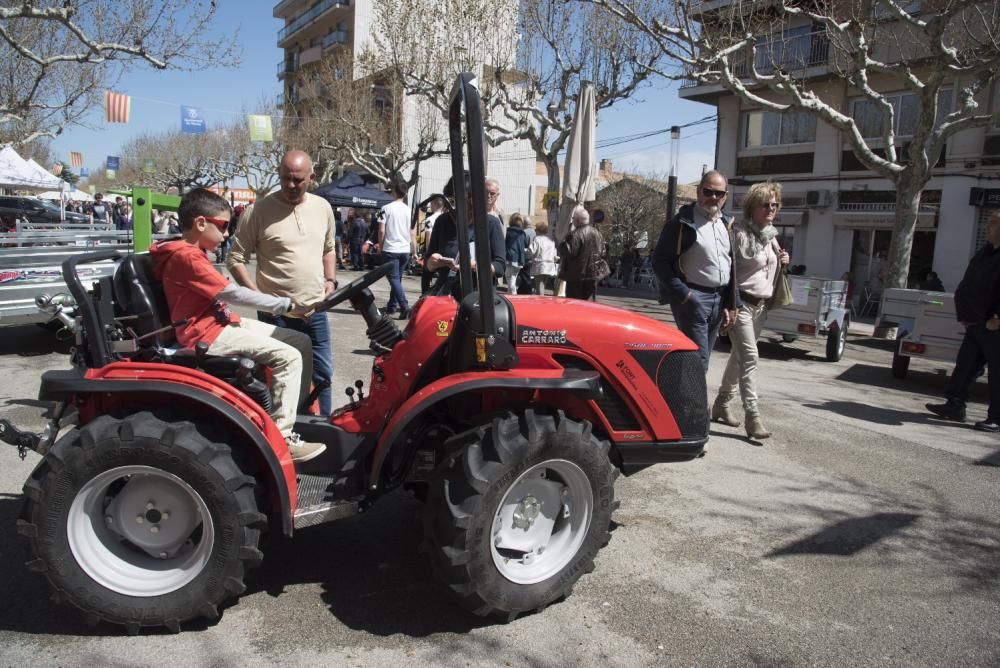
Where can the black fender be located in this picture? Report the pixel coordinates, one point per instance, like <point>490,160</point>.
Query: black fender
<point>586,383</point>
<point>64,385</point>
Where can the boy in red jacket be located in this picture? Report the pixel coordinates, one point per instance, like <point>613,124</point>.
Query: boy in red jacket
<point>197,293</point>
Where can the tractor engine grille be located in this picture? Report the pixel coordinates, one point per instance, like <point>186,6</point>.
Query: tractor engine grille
<point>681,380</point>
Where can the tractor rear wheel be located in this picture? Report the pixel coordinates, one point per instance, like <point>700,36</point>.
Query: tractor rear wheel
<point>519,512</point>
<point>142,522</point>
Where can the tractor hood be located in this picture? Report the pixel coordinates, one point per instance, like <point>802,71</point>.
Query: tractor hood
<point>574,323</point>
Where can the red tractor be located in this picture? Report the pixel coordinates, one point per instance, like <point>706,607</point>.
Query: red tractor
<point>510,416</point>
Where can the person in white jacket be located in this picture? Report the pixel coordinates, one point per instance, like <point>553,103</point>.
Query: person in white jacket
<point>544,262</point>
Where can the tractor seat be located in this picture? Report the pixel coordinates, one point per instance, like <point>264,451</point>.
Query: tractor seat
<point>142,306</point>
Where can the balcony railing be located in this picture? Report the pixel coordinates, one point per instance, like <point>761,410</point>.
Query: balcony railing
<point>286,67</point>
<point>304,19</point>
<point>787,52</point>
<point>880,207</point>
<point>336,37</point>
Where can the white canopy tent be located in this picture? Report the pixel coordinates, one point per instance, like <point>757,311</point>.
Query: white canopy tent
<point>45,175</point>
<point>16,173</point>
<point>70,195</point>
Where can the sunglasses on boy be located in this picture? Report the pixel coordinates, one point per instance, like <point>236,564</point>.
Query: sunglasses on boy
<point>709,192</point>
<point>221,223</point>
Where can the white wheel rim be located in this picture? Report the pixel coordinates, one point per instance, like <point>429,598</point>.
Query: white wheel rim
<point>542,521</point>
<point>140,531</point>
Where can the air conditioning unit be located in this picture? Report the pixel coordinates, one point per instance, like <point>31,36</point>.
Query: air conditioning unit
<point>818,199</point>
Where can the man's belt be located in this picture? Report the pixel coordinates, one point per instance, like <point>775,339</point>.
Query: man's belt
<point>711,291</point>
<point>750,299</point>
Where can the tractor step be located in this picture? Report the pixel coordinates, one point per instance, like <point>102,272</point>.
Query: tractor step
<point>320,500</point>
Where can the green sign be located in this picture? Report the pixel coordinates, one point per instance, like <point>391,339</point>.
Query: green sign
<point>260,127</point>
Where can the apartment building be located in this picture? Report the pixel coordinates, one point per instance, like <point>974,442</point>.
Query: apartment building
<point>316,29</point>
<point>837,215</point>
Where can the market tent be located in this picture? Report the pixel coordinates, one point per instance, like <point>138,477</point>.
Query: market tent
<point>44,176</point>
<point>71,195</point>
<point>17,174</point>
<point>351,190</point>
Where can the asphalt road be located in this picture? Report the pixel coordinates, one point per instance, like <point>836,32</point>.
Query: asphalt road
<point>863,533</point>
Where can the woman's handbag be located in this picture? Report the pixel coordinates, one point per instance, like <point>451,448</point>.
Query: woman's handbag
<point>781,295</point>
<point>600,269</point>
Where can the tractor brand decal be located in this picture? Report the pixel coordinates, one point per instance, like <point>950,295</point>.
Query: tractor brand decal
<point>547,337</point>
<point>633,437</point>
<point>648,346</point>
<point>626,372</point>
<point>442,328</point>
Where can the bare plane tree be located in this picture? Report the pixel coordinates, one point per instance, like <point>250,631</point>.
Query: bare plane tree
<point>366,121</point>
<point>533,58</point>
<point>179,160</point>
<point>57,56</point>
<point>944,57</point>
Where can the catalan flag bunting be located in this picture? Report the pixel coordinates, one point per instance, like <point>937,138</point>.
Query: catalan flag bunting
<point>76,158</point>
<point>117,107</point>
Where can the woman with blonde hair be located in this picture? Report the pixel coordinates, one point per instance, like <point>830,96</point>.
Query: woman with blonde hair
<point>544,261</point>
<point>757,257</point>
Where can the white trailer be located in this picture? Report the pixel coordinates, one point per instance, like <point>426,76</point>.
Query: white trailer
<point>819,309</point>
<point>925,326</point>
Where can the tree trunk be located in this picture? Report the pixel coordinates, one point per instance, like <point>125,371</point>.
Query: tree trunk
<point>908,190</point>
<point>907,207</point>
<point>554,185</point>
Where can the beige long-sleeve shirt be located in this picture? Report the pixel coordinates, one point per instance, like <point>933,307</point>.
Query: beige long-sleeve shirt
<point>289,242</point>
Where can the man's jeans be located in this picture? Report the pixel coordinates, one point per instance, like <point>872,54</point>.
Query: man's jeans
<point>397,298</point>
<point>980,346</point>
<point>318,329</point>
<point>742,365</point>
<point>699,319</point>
<point>357,257</point>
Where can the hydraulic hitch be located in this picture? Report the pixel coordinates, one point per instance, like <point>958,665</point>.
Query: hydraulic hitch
<point>22,440</point>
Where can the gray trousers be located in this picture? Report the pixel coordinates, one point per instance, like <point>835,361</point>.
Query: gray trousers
<point>742,366</point>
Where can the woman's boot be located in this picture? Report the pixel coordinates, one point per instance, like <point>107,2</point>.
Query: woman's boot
<point>755,427</point>
<point>723,414</point>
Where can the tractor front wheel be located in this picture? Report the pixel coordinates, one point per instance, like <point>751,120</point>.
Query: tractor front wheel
<point>519,512</point>
<point>142,522</point>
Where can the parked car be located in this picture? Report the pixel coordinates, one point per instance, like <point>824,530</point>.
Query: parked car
<point>36,211</point>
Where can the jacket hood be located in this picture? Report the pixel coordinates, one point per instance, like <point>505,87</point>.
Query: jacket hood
<point>162,251</point>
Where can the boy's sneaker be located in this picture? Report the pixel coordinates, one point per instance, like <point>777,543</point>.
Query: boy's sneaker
<point>303,451</point>
<point>950,410</point>
<point>987,425</point>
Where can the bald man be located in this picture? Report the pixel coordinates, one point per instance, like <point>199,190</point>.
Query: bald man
<point>293,234</point>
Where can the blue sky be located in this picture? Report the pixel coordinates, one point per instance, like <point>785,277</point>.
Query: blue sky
<point>223,93</point>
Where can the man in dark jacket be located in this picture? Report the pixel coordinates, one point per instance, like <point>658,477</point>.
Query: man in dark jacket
<point>693,261</point>
<point>977,307</point>
<point>357,233</point>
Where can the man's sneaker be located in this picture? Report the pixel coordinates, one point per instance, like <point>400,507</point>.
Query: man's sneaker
<point>404,314</point>
<point>949,410</point>
<point>987,425</point>
<point>303,451</point>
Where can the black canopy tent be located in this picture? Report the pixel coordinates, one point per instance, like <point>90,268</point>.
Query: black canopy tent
<point>350,190</point>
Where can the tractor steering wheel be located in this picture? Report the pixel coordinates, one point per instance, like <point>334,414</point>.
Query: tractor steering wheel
<point>354,288</point>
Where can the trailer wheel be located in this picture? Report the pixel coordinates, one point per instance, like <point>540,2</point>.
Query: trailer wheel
<point>836,340</point>
<point>142,522</point>
<point>789,338</point>
<point>519,513</point>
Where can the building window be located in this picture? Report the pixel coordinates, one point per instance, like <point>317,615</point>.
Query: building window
<point>772,128</point>
<point>906,110</point>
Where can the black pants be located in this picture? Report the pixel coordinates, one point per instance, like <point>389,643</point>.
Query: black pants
<point>581,289</point>
<point>980,346</point>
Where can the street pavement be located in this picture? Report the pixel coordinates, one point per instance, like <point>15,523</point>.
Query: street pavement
<point>862,533</point>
